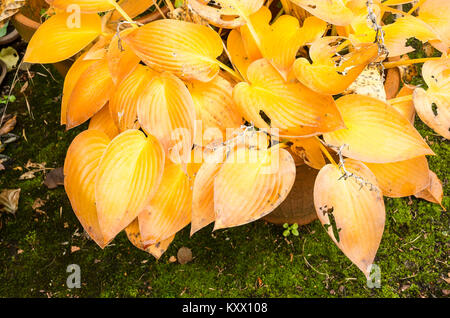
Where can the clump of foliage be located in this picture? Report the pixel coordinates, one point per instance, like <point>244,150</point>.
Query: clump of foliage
<point>167,143</point>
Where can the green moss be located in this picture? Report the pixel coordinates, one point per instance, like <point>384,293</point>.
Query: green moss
<point>254,260</point>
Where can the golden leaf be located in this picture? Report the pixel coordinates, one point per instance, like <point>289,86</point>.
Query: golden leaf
<point>80,173</point>
<point>434,191</point>
<point>291,107</point>
<point>433,105</point>
<point>401,178</point>
<point>128,176</point>
<point>103,121</point>
<point>59,31</point>
<point>336,64</point>
<point>85,6</point>
<point>170,208</point>
<point>352,214</point>
<point>189,51</point>
<point>157,250</point>
<point>90,93</point>
<point>375,132</point>
<point>251,184</point>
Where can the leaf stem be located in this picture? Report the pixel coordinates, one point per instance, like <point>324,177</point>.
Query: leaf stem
<point>123,13</point>
<point>408,62</point>
<point>326,153</point>
<point>420,2</point>
<point>400,99</point>
<point>230,70</point>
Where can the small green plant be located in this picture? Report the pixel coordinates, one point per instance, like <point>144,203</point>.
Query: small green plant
<point>7,99</point>
<point>290,229</point>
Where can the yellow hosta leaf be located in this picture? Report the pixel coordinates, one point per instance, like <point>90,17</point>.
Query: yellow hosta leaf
<point>401,178</point>
<point>435,13</point>
<point>433,105</point>
<point>312,29</point>
<point>170,208</point>
<point>86,6</point>
<point>167,111</point>
<point>189,51</point>
<point>90,93</point>
<point>353,215</point>
<point>133,8</point>
<point>98,50</point>
<point>157,250</point>
<point>433,192</point>
<point>335,12</point>
<point>368,83</point>
<point>71,79</point>
<point>248,189</point>
<point>397,33</point>
<point>406,108</point>
<point>375,132</point>
<point>80,172</point>
<point>124,101</point>
<point>121,59</point>
<point>336,64</point>
<point>61,37</point>
<point>225,13</point>
<point>308,149</point>
<point>239,57</point>
<point>291,107</point>
<point>128,176</point>
<point>203,192</point>
<point>214,108</point>
<point>103,121</point>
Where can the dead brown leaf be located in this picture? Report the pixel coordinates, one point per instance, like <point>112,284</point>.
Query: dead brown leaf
<point>54,178</point>
<point>8,125</point>
<point>8,8</point>
<point>38,203</point>
<point>9,200</point>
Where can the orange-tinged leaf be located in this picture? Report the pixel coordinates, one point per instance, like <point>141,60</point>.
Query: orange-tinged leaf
<point>331,72</point>
<point>124,101</point>
<point>312,29</point>
<point>401,178</point>
<point>103,121</point>
<point>214,107</point>
<point>406,108</point>
<point>60,32</point>
<point>435,13</point>
<point>203,192</point>
<point>98,50</point>
<point>170,208</point>
<point>90,93</point>
<point>433,192</point>
<point>86,6</point>
<point>308,149</point>
<point>80,171</point>
<point>128,176</point>
<point>248,189</point>
<point>225,13</point>
<point>165,109</point>
<point>121,59</point>
<point>133,8</point>
<point>335,12</point>
<point>433,105</point>
<point>71,79</point>
<point>353,215</point>
<point>157,250</point>
<point>239,57</point>
<point>189,51</point>
<point>375,132</point>
<point>291,107</point>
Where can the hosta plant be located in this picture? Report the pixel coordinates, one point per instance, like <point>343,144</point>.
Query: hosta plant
<point>202,115</point>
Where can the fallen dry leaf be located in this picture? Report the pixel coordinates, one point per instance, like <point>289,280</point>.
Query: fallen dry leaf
<point>8,126</point>
<point>74,249</point>
<point>38,203</point>
<point>54,178</point>
<point>9,200</point>
<point>9,8</point>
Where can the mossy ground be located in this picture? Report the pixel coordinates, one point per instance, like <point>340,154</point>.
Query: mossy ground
<point>254,260</point>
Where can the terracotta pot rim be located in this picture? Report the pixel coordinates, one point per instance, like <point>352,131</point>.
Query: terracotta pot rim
<point>22,19</point>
